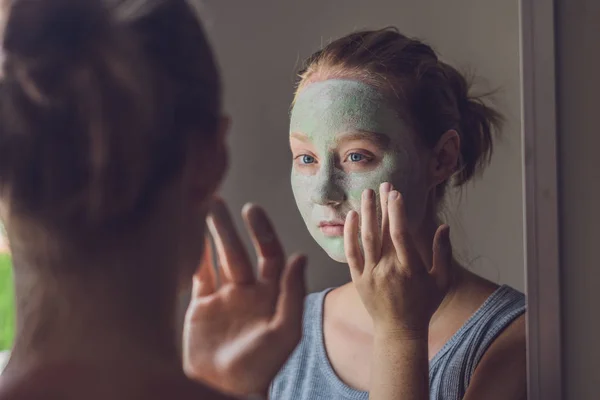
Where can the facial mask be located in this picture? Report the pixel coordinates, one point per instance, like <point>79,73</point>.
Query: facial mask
<point>324,116</point>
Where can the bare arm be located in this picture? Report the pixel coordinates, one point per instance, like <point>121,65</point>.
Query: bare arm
<point>399,290</point>
<point>400,368</point>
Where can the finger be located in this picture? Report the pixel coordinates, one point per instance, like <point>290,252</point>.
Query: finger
<point>290,304</point>
<point>271,257</point>
<point>369,230</point>
<point>352,249</point>
<point>205,279</point>
<point>400,233</point>
<point>233,258</point>
<point>442,256</point>
<point>384,192</point>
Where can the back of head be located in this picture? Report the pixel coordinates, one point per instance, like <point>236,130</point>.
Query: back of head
<point>98,100</point>
<point>430,94</point>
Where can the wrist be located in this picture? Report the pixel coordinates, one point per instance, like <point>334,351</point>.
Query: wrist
<point>395,333</point>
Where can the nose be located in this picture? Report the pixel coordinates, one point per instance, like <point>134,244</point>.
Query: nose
<point>328,190</point>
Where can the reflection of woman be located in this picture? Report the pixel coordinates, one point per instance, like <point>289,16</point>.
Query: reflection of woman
<point>376,107</point>
<point>111,148</point>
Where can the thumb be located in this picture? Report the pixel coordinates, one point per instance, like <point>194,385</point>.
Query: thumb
<point>290,304</point>
<point>442,256</point>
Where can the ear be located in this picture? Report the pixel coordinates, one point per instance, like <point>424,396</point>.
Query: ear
<point>446,155</point>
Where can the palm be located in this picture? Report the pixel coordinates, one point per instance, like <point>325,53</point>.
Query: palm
<point>396,285</point>
<point>234,310</point>
<point>239,335</point>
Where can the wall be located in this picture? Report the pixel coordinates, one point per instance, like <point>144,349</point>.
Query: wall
<point>259,45</point>
<point>578,68</point>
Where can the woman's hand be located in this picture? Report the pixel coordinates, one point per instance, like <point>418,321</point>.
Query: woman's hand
<point>400,291</point>
<point>238,334</point>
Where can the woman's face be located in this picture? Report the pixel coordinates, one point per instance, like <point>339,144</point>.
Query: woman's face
<point>346,137</point>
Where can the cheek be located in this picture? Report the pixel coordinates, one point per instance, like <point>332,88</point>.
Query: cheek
<point>357,183</point>
<point>301,188</point>
<point>390,170</point>
<point>404,177</point>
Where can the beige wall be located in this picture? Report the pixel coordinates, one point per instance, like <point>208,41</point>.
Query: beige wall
<point>578,68</point>
<point>259,44</point>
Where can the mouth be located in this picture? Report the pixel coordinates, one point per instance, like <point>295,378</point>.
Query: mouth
<point>332,228</point>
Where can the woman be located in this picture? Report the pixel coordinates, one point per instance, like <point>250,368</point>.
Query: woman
<point>111,150</point>
<point>381,127</point>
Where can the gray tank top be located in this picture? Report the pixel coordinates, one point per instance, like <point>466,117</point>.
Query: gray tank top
<point>308,374</point>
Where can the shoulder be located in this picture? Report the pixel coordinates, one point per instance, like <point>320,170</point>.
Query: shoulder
<point>498,322</point>
<point>66,383</point>
<point>500,368</point>
<point>502,372</point>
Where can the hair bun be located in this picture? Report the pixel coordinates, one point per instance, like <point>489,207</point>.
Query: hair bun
<point>55,31</point>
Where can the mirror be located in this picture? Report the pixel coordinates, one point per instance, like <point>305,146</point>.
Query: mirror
<point>502,217</point>
<point>493,232</point>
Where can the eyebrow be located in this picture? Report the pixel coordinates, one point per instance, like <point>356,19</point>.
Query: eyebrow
<point>300,136</point>
<point>379,139</point>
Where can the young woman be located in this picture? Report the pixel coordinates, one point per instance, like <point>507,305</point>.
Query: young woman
<point>380,128</point>
<point>111,149</point>
<point>377,112</point>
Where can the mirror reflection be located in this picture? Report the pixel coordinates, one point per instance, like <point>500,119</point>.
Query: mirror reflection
<point>337,94</point>
<point>337,200</point>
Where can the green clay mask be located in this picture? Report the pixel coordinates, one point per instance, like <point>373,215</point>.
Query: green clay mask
<point>346,137</point>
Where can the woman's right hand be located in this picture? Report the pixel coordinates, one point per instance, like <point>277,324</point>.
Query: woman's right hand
<point>238,334</point>
<point>398,287</point>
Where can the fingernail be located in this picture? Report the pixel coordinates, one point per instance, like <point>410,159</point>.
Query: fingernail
<point>394,195</point>
<point>350,216</point>
<point>368,194</point>
<point>386,187</point>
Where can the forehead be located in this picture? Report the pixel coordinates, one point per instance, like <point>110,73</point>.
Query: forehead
<point>336,106</point>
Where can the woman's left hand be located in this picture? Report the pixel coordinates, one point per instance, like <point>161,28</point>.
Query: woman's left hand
<point>240,333</point>
<point>399,289</point>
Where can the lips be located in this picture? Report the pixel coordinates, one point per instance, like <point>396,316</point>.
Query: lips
<point>332,227</point>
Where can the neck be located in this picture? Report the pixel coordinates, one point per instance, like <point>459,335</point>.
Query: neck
<point>118,311</point>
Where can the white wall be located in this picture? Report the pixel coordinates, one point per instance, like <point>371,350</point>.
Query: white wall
<point>578,68</point>
<point>259,45</point>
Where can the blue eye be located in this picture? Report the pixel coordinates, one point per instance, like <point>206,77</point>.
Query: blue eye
<point>306,159</point>
<point>356,157</point>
